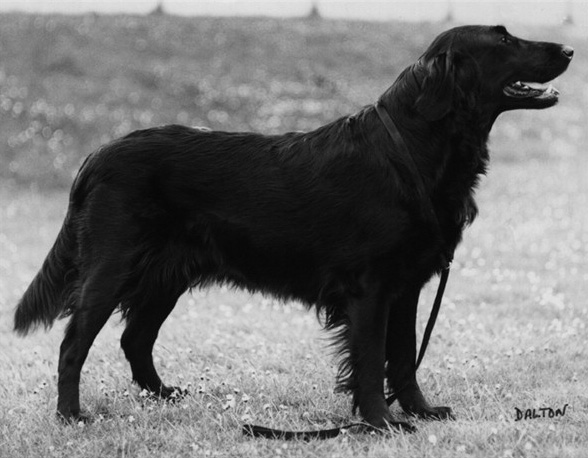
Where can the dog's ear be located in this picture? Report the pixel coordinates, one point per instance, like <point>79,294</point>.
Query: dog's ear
<point>437,87</point>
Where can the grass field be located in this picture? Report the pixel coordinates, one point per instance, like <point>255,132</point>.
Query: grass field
<point>512,332</point>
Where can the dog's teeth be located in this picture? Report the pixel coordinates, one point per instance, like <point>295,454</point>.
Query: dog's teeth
<point>552,90</point>
<point>520,86</point>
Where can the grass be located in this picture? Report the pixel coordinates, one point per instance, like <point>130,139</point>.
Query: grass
<point>512,331</point>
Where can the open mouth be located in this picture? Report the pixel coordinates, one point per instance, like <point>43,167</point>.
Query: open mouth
<point>531,90</point>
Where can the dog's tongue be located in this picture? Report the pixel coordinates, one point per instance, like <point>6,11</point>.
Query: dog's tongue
<point>536,86</point>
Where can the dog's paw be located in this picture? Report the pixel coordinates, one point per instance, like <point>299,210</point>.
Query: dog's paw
<point>402,426</point>
<point>167,393</point>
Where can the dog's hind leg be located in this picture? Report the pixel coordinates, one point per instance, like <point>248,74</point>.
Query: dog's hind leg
<point>145,317</point>
<point>96,303</point>
<point>401,359</point>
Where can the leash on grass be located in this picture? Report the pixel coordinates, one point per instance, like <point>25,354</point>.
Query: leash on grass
<point>272,433</point>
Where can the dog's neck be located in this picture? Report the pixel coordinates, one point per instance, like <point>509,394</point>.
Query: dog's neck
<point>465,144</point>
<point>472,120</point>
<point>450,153</point>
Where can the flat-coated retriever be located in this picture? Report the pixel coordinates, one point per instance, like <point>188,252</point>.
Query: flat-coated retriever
<point>329,217</point>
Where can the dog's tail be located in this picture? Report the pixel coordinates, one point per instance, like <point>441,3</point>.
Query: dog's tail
<point>47,296</point>
<point>52,293</point>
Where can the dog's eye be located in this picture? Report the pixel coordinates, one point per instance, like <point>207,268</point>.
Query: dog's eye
<point>505,40</point>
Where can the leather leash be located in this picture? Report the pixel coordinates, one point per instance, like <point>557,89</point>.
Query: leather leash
<point>447,257</point>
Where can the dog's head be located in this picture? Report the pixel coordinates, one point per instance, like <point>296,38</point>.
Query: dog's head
<point>488,67</point>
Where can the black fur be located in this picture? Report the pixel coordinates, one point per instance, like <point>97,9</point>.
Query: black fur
<point>329,217</point>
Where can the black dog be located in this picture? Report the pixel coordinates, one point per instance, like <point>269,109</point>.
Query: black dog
<point>330,217</point>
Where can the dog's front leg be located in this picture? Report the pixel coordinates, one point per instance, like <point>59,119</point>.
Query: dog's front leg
<point>368,317</point>
<point>401,358</point>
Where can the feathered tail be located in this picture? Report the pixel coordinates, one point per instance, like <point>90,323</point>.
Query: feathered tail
<point>47,297</point>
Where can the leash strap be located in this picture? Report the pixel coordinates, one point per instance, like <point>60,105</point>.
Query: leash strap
<point>271,433</point>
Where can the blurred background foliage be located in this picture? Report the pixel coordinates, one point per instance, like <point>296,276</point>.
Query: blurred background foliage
<point>71,83</point>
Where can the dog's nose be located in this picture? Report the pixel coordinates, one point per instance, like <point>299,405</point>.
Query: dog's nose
<point>568,51</point>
